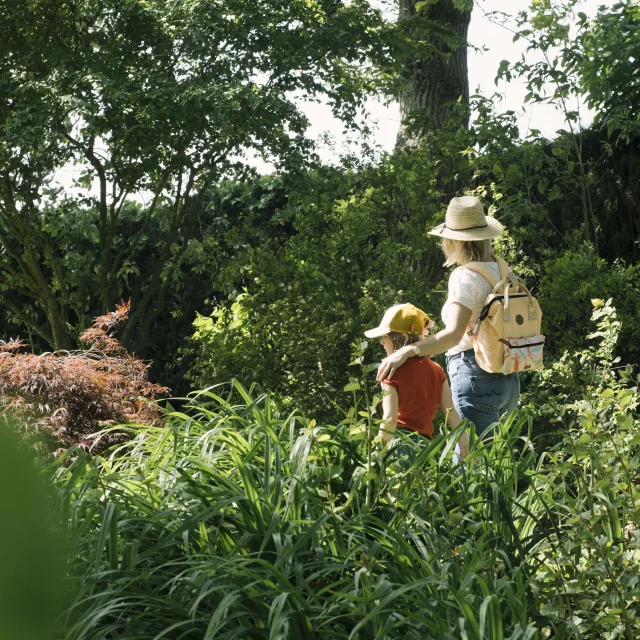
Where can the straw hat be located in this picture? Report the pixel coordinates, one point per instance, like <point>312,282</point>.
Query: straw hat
<point>465,220</point>
<point>402,318</point>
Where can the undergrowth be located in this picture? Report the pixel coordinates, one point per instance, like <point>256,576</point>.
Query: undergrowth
<point>237,519</point>
<point>240,521</point>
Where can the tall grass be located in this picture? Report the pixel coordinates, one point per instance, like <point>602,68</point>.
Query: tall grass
<point>237,521</point>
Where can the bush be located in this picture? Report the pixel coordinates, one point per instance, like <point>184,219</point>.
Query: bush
<point>73,395</point>
<point>356,245</point>
<point>241,520</point>
<point>342,245</point>
<point>589,574</point>
<point>568,284</point>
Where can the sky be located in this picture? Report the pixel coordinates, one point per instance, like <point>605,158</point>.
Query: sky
<point>495,43</point>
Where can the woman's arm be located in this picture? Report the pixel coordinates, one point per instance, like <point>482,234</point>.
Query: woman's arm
<point>453,419</point>
<point>458,318</point>
<point>389,412</point>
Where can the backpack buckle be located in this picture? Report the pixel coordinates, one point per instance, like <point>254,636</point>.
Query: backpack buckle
<point>507,317</point>
<point>532,315</point>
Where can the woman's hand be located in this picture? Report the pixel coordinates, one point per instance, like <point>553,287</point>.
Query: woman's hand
<point>391,363</point>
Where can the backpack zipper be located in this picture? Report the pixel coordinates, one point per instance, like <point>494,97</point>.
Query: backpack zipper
<point>520,346</point>
<point>487,307</point>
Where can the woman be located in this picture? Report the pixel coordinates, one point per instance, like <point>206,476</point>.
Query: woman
<point>479,396</point>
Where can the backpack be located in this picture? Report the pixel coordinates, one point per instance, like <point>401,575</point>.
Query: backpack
<point>506,338</point>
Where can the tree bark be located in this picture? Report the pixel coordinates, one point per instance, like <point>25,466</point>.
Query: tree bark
<point>59,330</point>
<point>438,78</point>
<point>26,257</point>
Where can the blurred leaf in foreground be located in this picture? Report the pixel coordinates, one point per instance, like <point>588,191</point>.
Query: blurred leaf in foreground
<point>30,578</point>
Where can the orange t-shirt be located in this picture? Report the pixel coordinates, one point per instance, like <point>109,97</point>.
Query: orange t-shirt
<point>419,385</point>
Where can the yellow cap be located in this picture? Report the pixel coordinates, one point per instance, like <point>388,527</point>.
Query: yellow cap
<point>402,318</point>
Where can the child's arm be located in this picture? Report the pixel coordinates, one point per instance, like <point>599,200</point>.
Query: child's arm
<point>453,419</point>
<point>389,412</point>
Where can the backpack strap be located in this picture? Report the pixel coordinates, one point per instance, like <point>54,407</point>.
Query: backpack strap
<point>506,279</point>
<point>505,269</point>
<point>487,274</point>
<point>484,271</point>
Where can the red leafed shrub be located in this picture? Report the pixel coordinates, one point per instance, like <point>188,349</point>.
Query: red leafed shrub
<point>73,395</point>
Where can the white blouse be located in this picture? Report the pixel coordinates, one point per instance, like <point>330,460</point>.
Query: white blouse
<point>469,289</point>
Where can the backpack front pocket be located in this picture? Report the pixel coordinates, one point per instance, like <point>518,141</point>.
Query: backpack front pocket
<point>522,354</point>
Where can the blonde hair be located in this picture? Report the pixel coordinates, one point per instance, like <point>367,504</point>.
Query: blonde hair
<point>463,251</point>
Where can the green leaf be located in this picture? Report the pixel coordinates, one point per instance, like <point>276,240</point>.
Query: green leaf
<point>463,5</point>
<point>503,71</point>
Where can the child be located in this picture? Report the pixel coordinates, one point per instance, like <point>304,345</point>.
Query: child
<point>416,390</point>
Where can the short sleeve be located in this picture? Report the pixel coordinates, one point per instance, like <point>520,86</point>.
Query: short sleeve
<point>391,383</point>
<point>466,287</point>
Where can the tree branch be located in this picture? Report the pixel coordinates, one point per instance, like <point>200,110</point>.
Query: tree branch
<point>133,244</point>
<point>27,321</point>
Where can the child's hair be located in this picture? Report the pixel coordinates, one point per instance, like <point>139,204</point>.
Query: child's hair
<point>399,340</point>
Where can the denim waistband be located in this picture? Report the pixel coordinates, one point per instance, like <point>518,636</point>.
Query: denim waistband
<point>465,355</point>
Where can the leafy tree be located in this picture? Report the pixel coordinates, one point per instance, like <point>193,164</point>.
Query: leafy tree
<point>591,60</point>
<point>156,99</point>
<point>604,56</point>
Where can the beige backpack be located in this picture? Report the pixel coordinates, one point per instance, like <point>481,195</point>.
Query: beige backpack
<point>506,338</point>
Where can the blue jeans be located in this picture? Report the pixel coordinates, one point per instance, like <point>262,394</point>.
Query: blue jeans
<point>479,396</point>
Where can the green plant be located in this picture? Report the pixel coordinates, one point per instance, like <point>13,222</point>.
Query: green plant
<point>355,244</point>
<point>31,551</point>
<point>569,281</point>
<point>240,520</point>
<point>590,573</point>
<point>590,387</point>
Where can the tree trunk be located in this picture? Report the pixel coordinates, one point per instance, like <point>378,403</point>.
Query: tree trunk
<point>437,79</point>
<point>50,306</point>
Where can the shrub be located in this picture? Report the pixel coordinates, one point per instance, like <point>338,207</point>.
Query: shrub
<point>73,395</point>
<point>240,521</point>
<point>355,245</point>
<point>568,284</point>
<point>589,574</point>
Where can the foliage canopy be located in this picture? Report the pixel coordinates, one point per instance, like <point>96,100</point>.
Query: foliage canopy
<point>156,99</point>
